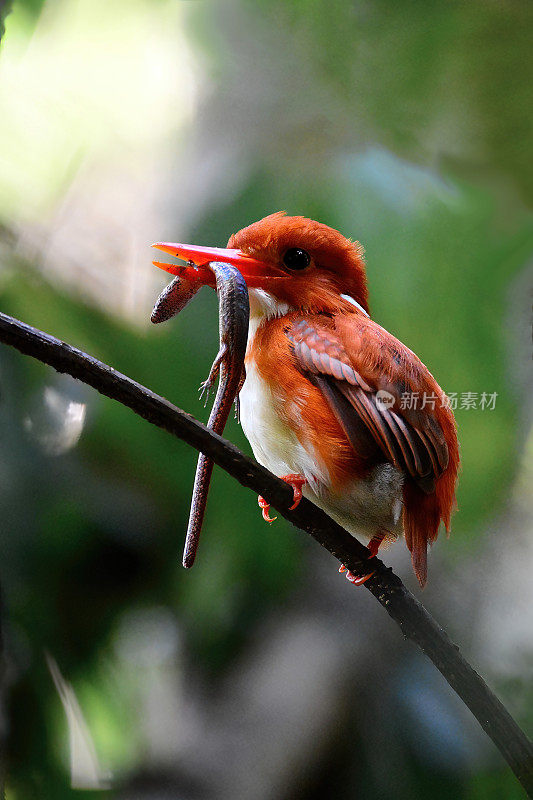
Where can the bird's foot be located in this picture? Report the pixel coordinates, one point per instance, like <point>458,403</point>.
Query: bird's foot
<point>294,480</point>
<point>373,546</point>
<point>264,505</point>
<point>375,543</point>
<point>357,580</point>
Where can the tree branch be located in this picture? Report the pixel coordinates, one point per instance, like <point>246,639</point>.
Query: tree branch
<point>415,622</point>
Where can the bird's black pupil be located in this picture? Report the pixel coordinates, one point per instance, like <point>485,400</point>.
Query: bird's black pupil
<point>296,258</point>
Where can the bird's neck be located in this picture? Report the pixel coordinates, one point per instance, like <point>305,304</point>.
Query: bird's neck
<point>263,307</point>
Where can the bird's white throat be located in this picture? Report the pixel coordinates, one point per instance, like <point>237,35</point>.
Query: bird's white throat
<point>263,306</point>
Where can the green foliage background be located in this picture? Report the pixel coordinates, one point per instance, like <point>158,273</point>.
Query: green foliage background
<point>401,124</point>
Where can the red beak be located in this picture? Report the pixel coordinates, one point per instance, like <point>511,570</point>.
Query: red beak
<point>257,274</point>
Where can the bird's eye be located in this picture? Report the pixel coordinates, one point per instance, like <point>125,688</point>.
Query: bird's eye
<point>296,258</point>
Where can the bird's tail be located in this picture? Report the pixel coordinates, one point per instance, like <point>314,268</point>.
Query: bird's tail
<point>422,514</point>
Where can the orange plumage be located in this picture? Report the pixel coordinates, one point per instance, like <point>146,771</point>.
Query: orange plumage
<point>325,383</point>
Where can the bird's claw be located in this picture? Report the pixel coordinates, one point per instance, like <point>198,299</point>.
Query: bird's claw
<point>357,580</point>
<point>373,547</point>
<point>264,505</point>
<point>294,480</point>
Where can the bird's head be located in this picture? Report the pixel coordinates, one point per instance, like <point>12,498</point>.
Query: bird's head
<point>287,263</point>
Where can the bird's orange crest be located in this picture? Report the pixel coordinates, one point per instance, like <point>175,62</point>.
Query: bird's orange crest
<point>336,265</point>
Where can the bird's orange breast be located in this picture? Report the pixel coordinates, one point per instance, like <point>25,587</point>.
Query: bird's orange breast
<point>301,406</point>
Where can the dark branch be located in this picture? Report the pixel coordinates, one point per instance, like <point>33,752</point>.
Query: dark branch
<point>387,588</point>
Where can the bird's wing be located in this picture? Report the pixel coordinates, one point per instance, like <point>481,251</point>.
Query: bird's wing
<point>368,378</point>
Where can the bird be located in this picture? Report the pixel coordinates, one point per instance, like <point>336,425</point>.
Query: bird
<point>332,402</point>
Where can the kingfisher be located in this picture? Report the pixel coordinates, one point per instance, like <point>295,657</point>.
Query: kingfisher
<point>332,402</point>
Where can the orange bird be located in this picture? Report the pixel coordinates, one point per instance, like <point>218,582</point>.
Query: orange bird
<point>332,402</point>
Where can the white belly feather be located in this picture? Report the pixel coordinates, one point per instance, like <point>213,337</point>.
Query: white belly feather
<point>274,443</point>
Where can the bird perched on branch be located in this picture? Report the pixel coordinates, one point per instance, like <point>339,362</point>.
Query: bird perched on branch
<point>332,402</point>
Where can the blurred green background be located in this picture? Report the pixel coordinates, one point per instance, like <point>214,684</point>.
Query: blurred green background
<point>260,673</point>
